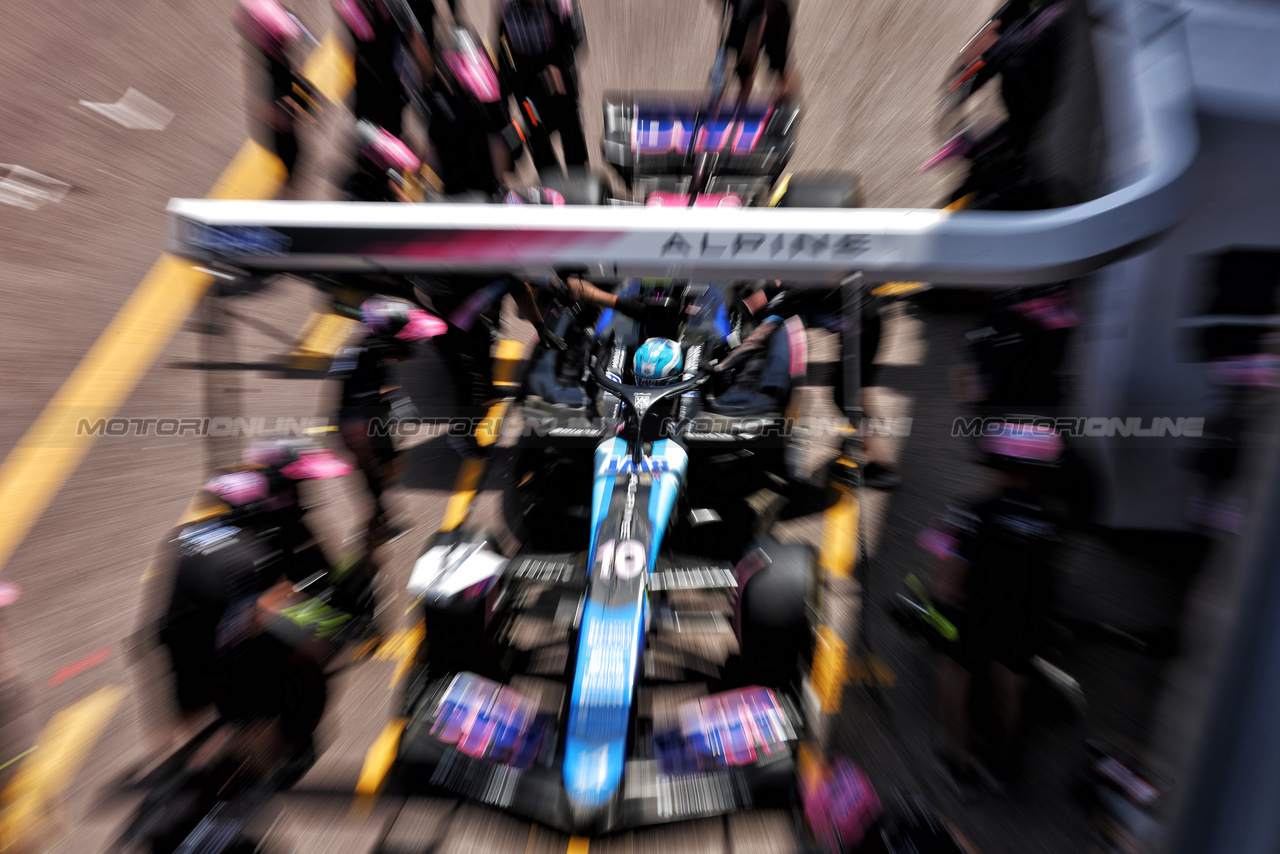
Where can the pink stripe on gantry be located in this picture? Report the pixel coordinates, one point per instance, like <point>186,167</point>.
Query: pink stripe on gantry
<point>492,245</point>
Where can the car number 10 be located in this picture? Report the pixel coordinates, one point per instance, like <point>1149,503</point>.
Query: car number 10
<point>626,559</point>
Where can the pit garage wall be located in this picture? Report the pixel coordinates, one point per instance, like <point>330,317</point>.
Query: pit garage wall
<point>1136,354</point>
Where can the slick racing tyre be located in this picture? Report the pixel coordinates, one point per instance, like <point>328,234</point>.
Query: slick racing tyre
<point>578,186</point>
<point>454,643</point>
<point>455,637</point>
<point>455,640</point>
<point>772,618</point>
<point>821,191</point>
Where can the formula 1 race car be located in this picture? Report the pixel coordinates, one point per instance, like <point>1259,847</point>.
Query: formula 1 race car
<point>646,569</point>
<point>678,151</point>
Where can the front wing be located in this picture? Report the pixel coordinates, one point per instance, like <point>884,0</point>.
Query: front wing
<point>477,739</point>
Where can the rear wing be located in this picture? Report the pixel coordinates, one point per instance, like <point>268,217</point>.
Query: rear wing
<point>1148,70</point>
<point>655,135</point>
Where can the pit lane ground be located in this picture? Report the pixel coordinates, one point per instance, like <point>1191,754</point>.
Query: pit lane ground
<point>869,75</point>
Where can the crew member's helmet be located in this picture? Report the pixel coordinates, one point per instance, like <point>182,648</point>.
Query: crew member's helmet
<point>384,151</point>
<point>657,362</point>
<point>270,27</point>
<point>398,321</point>
<point>267,482</point>
<point>380,158</point>
<point>297,459</point>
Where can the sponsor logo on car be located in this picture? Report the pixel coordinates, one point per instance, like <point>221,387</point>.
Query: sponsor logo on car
<point>625,465</point>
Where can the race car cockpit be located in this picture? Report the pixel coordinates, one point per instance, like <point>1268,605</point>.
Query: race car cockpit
<point>758,360</point>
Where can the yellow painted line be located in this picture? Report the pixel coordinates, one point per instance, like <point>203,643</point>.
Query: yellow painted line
<point>50,450</point>
<point>401,647</point>
<point>838,552</point>
<point>464,491</point>
<point>399,643</point>
<point>363,651</point>
<point>380,758</point>
<point>961,203</point>
<point>830,669</point>
<point>330,69</point>
<point>507,361</point>
<point>319,340</point>
<point>809,765</point>
<point>491,427</point>
<point>62,748</point>
<point>578,845</point>
<point>780,191</point>
<point>254,173</point>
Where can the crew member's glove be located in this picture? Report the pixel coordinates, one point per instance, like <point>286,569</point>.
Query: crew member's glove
<point>549,339</point>
<point>632,307</point>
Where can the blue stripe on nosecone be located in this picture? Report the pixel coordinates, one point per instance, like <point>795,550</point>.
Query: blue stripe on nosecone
<point>662,496</point>
<point>602,491</point>
<point>600,711</point>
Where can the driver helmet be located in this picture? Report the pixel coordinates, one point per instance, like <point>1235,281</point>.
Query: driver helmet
<point>657,362</point>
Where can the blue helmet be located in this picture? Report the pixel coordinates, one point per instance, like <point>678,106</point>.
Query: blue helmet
<point>657,362</point>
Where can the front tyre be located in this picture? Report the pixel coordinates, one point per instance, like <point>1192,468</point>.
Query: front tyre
<point>777,585</point>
